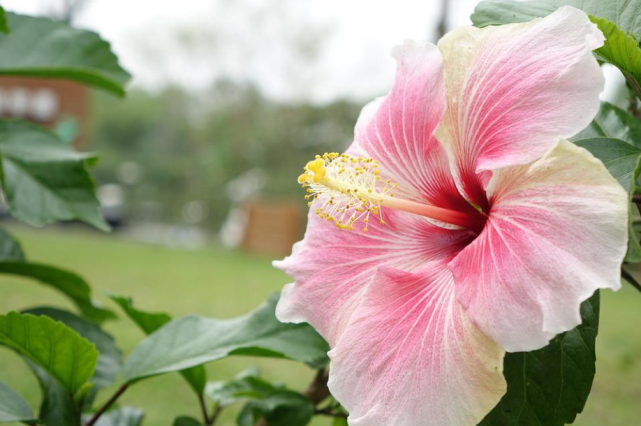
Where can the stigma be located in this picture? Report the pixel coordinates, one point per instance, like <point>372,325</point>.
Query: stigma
<point>350,190</point>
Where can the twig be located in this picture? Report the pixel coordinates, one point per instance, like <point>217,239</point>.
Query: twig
<point>629,278</point>
<point>107,404</point>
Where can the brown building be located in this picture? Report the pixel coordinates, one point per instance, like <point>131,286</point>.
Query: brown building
<point>58,104</point>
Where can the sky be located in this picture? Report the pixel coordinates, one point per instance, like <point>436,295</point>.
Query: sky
<point>318,50</point>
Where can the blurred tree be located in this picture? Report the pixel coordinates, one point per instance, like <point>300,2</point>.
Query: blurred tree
<point>64,10</point>
<point>189,151</point>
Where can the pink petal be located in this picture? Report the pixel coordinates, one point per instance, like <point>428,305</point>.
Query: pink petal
<point>398,130</point>
<point>332,267</point>
<point>556,233</point>
<point>514,90</point>
<point>410,356</point>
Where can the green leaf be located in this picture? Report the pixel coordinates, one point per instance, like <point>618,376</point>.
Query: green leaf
<point>68,283</point>
<point>150,322</point>
<point>282,408</point>
<point>110,358</point>
<point>247,385</point>
<point>147,321</point>
<point>12,407</point>
<point>187,421</point>
<point>619,21</point>
<point>40,47</point>
<point>195,340</point>
<point>10,248</point>
<point>620,49</point>
<point>45,180</point>
<point>620,158</point>
<point>623,161</point>
<point>613,122</point>
<point>550,386</point>
<point>625,14</point>
<point>123,416</point>
<point>63,353</point>
<point>340,421</point>
<point>4,28</point>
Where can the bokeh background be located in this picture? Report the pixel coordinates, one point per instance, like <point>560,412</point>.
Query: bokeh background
<point>198,168</point>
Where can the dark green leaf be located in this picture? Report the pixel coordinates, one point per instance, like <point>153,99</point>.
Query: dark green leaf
<point>623,161</point>
<point>147,321</point>
<point>58,407</point>
<point>150,322</point>
<point>247,385</point>
<point>68,283</point>
<point>194,340</point>
<point>3,21</point>
<point>45,180</point>
<point>10,248</point>
<point>625,14</point>
<point>40,47</point>
<point>187,421</point>
<point>550,386</point>
<point>613,122</point>
<point>63,353</point>
<point>282,408</point>
<point>123,416</point>
<point>12,407</point>
<point>110,358</point>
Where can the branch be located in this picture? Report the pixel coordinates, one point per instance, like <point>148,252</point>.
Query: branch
<point>107,404</point>
<point>629,278</point>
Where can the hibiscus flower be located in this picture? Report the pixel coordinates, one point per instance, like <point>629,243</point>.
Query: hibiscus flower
<point>460,224</point>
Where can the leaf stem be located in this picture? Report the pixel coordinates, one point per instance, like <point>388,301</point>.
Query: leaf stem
<point>203,408</point>
<point>629,278</point>
<point>215,415</point>
<point>107,404</point>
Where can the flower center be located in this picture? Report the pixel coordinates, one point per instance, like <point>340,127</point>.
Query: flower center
<point>352,190</point>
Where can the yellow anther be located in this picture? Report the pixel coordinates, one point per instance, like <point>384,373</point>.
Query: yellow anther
<point>346,188</point>
<point>304,178</point>
<point>318,163</point>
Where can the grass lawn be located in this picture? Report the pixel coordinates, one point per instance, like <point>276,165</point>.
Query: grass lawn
<point>218,283</point>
